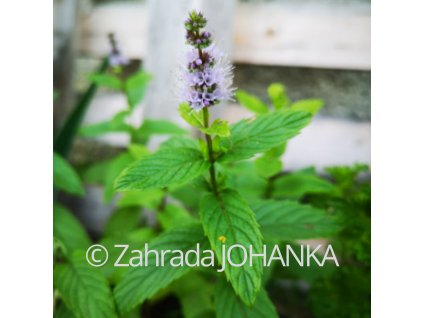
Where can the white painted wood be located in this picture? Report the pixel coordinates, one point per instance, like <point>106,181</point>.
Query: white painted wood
<point>310,35</point>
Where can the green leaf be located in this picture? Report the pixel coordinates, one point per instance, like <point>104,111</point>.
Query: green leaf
<point>149,198</point>
<point>296,185</point>
<point>63,312</point>
<point>218,127</point>
<point>229,216</point>
<point>251,102</point>
<point>122,221</point>
<point>64,177</point>
<point>228,305</point>
<point>174,216</point>
<point>135,87</point>
<point>158,127</point>
<point>164,168</point>
<point>141,283</point>
<point>68,230</point>
<point>117,124</point>
<point>288,220</point>
<point>64,140</point>
<point>106,80</point>
<point>135,239</point>
<point>267,166</point>
<point>308,105</point>
<point>179,142</point>
<point>190,116</point>
<point>117,165</point>
<point>83,288</point>
<point>277,94</point>
<point>242,176</point>
<point>265,132</point>
<point>96,173</point>
<point>138,151</point>
<point>195,295</point>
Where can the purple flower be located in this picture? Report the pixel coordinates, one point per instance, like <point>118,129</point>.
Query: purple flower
<point>207,76</point>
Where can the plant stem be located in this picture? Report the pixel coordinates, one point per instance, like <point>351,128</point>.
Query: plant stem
<point>210,151</point>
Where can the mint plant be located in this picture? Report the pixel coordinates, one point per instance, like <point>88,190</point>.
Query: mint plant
<point>227,187</point>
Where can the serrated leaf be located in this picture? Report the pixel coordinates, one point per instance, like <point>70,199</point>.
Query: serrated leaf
<point>135,87</point>
<point>65,177</point>
<point>122,221</point>
<point>106,80</point>
<point>278,96</point>
<point>251,102</point>
<point>308,105</point>
<point>229,216</point>
<point>141,283</point>
<point>68,230</point>
<point>164,168</point>
<point>190,116</point>
<point>288,220</point>
<point>294,186</point>
<point>218,127</point>
<point>265,132</point>
<point>83,288</point>
<point>267,166</point>
<point>228,305</point>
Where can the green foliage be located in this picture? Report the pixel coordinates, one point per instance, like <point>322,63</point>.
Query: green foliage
<point>141,283</point>
<point>222,188</point>
<point>68,230</point>
<point>135,87</point>
<point>251,102</point>
<point>249,137</point>
<point>190,116</point>
<point>195,294</point>
<point>157,127</point>
<point>228,305</point>
<point>174,216</point>
<point>64,177</point>
<point>164,168</point>
<point>296,185</point>
<point>116,166</point>
<point>278,96</point>
<point>117,124</point>
<point>308,105</point>
<point>218,127</point>
<point>149,198</point>
<point>106,80</point>
<point>288,220</point>
<point>267,166</point>
<point>83,288</point>
<point>122,221</point>
<point>228,215</point>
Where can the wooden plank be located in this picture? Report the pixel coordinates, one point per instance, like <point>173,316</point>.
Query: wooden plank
<point>309,35</point>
